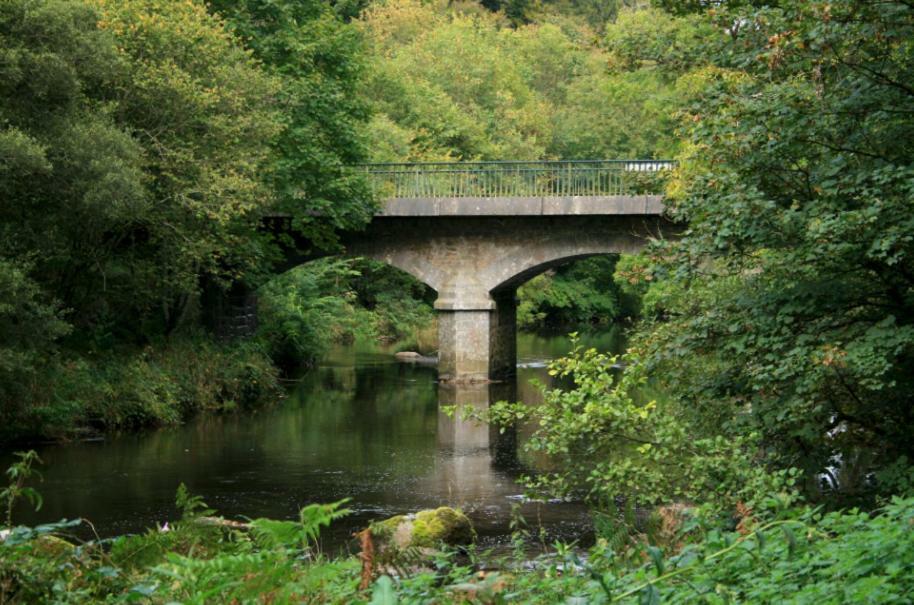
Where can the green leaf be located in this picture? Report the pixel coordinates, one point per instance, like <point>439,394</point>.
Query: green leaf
<point>657,558</point>
<point>383,592</point>
<point>791,541</point>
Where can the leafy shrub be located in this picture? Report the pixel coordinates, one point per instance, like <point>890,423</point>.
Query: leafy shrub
<point>314,305</point>
<point>607,441</point>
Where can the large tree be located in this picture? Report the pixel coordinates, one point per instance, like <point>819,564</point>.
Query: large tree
<point>133,135</point>
<point>319,61</point>
<point>797,308</point>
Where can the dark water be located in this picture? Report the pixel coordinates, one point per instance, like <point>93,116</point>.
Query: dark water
<point>360,426</point>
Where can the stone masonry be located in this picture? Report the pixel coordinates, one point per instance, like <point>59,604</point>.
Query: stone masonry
<point>475,252</point>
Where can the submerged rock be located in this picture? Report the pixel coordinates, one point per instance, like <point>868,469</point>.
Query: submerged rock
<point>413,357</point>
<point>424,529</point>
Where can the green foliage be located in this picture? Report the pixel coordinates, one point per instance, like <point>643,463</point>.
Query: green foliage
<point>536,91</point>
<point>133,138</point>
<point>19,473</point>
<point>583,292</point>
<point>802,557</point>
<point>300,310</point>
<point>135,132</point>
<point>383,592</point>
<point>157,386</point>
<point>318,60</point>
<point>399,307</point>
<point>603,441</point>
<point>790,296</point>
<point>191,506</point>
<point>489,112</point>
<point>302,535</point>
<point>305,310</point>
<point>29,327</point>
<point>655,40</point>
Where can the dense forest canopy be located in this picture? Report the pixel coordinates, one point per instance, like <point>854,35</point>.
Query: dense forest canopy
<point>463,83</point>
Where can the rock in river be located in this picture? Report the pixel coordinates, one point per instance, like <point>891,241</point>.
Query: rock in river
<point>413,357</point>
<point>424,529</point>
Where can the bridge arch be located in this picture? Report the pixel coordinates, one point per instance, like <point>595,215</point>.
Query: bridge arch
<point>473,232</point>
<point>519,266</point>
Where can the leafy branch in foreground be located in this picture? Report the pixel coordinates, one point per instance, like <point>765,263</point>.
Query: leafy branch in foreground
<point>609,441</point>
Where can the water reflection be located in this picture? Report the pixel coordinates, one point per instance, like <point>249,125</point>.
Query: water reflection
<point>360,426</point>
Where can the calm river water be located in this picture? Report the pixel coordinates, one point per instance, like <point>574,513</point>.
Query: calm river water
<point>360,426</point>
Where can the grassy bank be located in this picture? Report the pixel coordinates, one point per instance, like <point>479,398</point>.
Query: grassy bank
<point>75,396</point>
<point>76,389</point>
<point>798,557</point>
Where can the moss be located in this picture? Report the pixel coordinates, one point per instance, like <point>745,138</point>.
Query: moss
<point>443,524</point>
<point>424,529</point>
<point>382,530</point>
<point>52,546</point>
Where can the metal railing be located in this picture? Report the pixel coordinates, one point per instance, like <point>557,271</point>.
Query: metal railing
<point>516,179</point>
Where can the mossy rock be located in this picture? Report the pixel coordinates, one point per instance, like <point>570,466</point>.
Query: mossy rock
<point>442,525</point>
<point>424,529</point>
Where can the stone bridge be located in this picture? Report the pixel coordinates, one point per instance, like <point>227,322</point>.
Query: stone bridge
<point>474,232</point>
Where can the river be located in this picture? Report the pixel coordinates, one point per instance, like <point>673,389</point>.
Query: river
<point>359,426</point>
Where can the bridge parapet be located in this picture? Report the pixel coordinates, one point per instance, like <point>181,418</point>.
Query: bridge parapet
<point>515,179</point>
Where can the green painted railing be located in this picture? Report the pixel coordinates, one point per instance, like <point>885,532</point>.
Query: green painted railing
<point>516,179</point>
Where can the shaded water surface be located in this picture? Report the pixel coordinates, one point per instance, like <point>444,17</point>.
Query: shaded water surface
<point>360,426</point>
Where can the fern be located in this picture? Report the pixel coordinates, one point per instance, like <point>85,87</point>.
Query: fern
<point>192,507</point>
<point>18,473</point>
<point>304,533</point>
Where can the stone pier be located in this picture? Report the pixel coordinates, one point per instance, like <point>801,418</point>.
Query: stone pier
<point>477,338</point>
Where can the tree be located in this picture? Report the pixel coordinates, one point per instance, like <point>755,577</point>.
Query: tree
<point>30,325</point>
<point>319,62</point>
<point>796,272</point>
<point>578,293</point>
<point>452,84</point>
<point>136,133</point>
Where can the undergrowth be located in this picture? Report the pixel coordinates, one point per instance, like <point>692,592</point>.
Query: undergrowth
<point>139,388</point>
<point>802,556</point>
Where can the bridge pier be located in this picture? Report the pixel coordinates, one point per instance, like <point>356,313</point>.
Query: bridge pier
<point>476,337</point>
<point>503,336</point>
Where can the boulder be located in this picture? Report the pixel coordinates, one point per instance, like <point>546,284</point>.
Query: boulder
<point>424,529</point>
<point>413,357</point>
<point>406,544</point>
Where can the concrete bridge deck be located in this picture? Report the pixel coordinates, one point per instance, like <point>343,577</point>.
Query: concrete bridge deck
<point>576,205</point>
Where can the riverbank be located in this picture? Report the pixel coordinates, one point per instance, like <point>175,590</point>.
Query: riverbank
<point>84,396</point>
<point>79,394</point>
<point>795,558</point>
